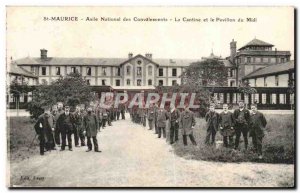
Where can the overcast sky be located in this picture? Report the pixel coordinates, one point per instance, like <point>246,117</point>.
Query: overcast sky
<point>27,33</point>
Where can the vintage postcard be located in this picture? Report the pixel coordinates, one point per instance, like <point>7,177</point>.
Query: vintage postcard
<point>112,97</point>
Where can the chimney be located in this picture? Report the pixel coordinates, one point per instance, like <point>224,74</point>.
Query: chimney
<point>149,56</point>
<point>44,53</point>
<point>130,55</point>
<point>232,50</point>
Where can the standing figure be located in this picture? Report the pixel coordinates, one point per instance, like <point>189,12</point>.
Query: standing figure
<point>227,126</point>
<point>155,109</point>
<point>78,131</point>
<point>118,112</point>
<point>123,111</point>
<point>44,128</point>
<point>90,125</point>
<point>162,117</point>
<point>187,124</point>
<point>174,123</point>
<point>143,116</point>
<point>57,132</point>
<point>241,116</point>
<point>151,117</point>
<point>212,123</point>
<point>109,116</point>
<point>258,123</point>
<point>66,125</point>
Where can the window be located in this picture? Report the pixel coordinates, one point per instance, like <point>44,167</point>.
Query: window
<point>174,72</point>
<point>273,99</point>
<point>276,80</point>
<point>128,82</point>
<point>139,71</point>
<point>104,71</point>
<point>73,69</point>
<point>57,70</point>
<point>43,70</point>
<point>88,71</point>
<point>149,82</point>
<point>118,71</point>
<point>139,82</point>
<point>261,60</point>
<point>174,82</point>
<point>88,82</point>
<point>265,81</point>
<point>232,83</point>
<point>150,70</point>
<point>264,98</point>
<point>128,70</point>
<point>139,62</point>
<point>103,82</point>
<point>239,60</point>
<point>117,82</point>
<point>282,99</point>
<point>248,59</point>
<point>282,60</point>
<point>269,60</point>
<point>160,72</point>
<point>160,82</point>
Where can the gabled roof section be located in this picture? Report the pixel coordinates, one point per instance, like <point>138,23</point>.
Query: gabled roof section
<point>257,42</point>
<point>272,69</point>
<point>14,69</point>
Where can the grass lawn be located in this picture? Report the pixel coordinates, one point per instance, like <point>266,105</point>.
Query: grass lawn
<point>20,135</point>
<point>278,144</point>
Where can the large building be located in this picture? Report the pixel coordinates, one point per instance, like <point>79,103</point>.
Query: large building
<point>267,69</point>
<point>133,71</point>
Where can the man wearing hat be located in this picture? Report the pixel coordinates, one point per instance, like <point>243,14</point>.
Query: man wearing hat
<point>241,116</point>
<point>78,134</point>
<point>57,111</point>
<point>44,128</point>
<point>66,124</point>
<point>90,126</point>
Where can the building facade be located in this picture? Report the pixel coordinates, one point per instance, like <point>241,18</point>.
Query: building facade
<point>134,71</point>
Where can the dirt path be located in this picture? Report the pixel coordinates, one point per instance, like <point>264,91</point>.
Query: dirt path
<point>134,156</point>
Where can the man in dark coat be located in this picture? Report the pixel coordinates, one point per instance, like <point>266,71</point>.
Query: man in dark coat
<point>257,129</point>
<point>212,123</point>
<point>56,113</point>
<point>151,117</point>
<point>162,117</point>
<point>187,124</point>
<point>122,108</point>
<point>241,116</point>
<point>227,126</point>
<point>44,128</point>
<point>90,125</point>
<point>66,124</point>
<point>174,124</point>
<point>155,109</point>
<point>78,131</point>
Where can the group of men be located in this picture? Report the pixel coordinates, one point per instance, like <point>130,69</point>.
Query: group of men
<point>56,126</point>
<point>158,118</point>
<point>240,122</point>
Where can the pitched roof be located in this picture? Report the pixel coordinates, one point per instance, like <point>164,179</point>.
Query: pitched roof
<point>256,42</point>
<point>14,69</point>
<point>70,61</point>
<point>272,69</point>
<point>98,61</point>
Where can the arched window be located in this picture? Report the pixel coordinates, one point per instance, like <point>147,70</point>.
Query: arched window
<point>150,82</point>
<point>150,70</point>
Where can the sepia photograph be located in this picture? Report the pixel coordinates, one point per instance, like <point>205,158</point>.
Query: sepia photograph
<point>150,97</point>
